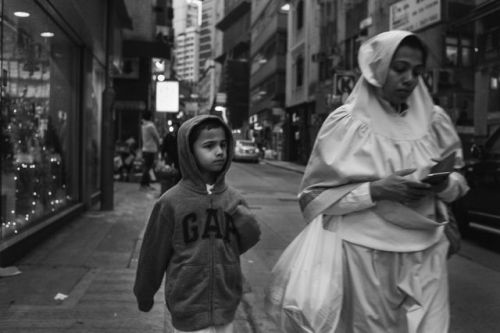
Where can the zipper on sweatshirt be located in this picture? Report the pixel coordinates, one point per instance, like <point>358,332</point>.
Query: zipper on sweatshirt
<point>212,263</point>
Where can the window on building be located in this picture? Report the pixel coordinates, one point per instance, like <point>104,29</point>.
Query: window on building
<point>281,47</point>
<point>300,14</point>
<point>299,71</point>
<point>458,51</point>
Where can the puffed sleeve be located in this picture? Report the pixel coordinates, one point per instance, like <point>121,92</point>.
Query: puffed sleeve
<point>446,135</point>
<point>448,141</point>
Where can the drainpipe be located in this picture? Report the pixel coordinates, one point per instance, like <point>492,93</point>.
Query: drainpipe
<point>107,125</point>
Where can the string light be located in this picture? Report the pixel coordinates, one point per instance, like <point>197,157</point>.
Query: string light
<point>37,179</point>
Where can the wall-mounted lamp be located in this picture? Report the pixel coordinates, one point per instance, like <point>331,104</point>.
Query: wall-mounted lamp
<point>47,34</point>
<point>21,14</point>
<point>285,7</point>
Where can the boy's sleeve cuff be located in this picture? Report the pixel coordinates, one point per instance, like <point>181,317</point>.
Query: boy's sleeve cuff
<point>145,306</point>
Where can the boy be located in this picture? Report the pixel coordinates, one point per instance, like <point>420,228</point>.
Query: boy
<point>195,234</point>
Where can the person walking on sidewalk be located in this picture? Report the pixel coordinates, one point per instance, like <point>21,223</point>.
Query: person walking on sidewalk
<point>364,178</point>
<point>150,147</point>
<point>169,147</point>
<point>196,233</point>
<point>169,150</point>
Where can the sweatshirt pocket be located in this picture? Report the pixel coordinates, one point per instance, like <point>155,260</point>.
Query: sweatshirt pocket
<point>228,286</point>
<point>190,291</point>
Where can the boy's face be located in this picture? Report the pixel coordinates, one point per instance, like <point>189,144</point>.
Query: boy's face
<point>210,151</point>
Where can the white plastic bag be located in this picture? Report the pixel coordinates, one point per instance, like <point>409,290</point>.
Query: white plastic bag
<point>305,294</point>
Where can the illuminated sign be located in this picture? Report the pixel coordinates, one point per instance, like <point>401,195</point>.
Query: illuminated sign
<point>167,96</point>
<point>413,15</point>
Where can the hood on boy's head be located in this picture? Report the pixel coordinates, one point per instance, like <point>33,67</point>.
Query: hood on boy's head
<point>187,161</point>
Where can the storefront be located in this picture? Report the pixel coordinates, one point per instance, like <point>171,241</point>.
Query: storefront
<point>474,50</point>
<point>52,80</point>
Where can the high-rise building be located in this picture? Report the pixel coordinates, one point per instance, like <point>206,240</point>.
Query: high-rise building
<point>186,54</point>
<point>186,30</point>
<point>209,47</point>
<point>235,25</point>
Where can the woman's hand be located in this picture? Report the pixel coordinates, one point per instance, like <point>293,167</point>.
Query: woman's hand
<point>397,188</point>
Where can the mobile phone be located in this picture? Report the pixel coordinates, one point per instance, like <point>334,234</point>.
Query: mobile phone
<point>435,178</point>
<point>445,164</point>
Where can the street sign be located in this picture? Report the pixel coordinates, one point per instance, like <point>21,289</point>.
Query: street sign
<point>343,84</point>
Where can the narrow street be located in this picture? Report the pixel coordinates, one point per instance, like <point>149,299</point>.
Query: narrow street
<point>90,266</point>
<point>474,272</point>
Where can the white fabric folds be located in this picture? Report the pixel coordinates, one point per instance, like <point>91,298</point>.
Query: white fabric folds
<point>366,140</point>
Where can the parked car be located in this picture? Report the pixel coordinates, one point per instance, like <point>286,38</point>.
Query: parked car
<point>480,208</point>
<point>246,150</point>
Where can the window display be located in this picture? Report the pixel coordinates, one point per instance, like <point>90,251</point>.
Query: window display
<point>39,134</point>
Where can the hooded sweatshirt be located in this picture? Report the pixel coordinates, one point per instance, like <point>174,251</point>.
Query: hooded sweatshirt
<point>194,236</point>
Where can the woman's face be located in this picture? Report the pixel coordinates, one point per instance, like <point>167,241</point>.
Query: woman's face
<point>405,68</point>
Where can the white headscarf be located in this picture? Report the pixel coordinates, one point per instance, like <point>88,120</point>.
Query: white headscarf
<point>365,140</point>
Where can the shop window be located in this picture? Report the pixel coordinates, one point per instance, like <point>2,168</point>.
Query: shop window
<point>458,51</point>
<point>39,117</point>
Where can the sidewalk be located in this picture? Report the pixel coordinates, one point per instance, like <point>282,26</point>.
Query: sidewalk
<point>81,279</point>
<point>90,266</point>
<point>286,165</point>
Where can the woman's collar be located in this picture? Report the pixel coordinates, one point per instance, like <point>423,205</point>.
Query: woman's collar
<point>393,108</point>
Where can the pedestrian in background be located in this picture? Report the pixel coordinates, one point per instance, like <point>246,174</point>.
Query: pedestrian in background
<point>150,148</point>
<point>363,178</point>
<point>169,147</point>
<point>196,233</point>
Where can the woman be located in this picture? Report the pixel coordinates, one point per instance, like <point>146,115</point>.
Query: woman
<point>363,177</point>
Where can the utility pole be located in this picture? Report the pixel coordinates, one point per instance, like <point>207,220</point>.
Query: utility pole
<point>107,125</point>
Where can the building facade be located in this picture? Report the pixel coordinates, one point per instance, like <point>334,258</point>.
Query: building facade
<point>187,30</point>
<point>302,79</point>
<point>235,26</point>
<point>462,67</point>
<point>146,54</point>
<point>210,48</point>
<point>186,55</point>
<point>268,74</point>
